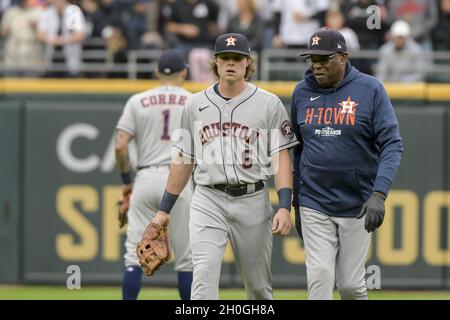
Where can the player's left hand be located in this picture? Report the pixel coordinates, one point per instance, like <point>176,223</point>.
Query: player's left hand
<point>161,218</point>
<point>374,210</point>
<point>282,222</point>
<point>124,205</point>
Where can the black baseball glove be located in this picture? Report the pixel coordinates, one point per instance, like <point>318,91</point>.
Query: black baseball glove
<point>374,210</point>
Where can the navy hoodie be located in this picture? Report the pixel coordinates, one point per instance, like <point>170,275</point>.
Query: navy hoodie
<point>350,143</point>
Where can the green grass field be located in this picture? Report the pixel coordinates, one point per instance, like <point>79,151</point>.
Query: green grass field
<point>8,292</point>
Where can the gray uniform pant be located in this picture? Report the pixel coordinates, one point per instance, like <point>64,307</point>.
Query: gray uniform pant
<point>148,190</point>
<point>246,221</point>
<point>335,250</point>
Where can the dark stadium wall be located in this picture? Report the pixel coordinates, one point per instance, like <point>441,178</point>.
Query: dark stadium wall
<point>70,185</point>
<point>10,196</point>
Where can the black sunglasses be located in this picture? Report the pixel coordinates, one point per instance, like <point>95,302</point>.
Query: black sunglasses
<point>323,60</point>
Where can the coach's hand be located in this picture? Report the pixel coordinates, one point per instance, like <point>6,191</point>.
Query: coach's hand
<point>282,222</point>
<point>298,222</point>
<point>374,211</point>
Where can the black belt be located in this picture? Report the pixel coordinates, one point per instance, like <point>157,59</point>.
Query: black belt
<point>238,190</point>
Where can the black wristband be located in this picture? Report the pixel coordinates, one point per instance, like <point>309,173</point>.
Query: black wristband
<point>167,202</point>
<point>126,177</point>
<point>284,197</point>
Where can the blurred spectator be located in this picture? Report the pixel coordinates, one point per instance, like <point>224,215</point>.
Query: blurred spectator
<point>152,39</point>
<point>194,22</point>
<point>199,59</point>
<point>295,21</point>
<point>116,42</point>
<point>402,59</point>
<point>23,52</point>
<point>109,14</point>
<point>335,20</point>
<point>248,22</point>
<point>5,4</point>
<point>422,16</point>
<point>229,9</point>
<point>441,34</point>
<point>109,25</point>
<point>356,17</point>
<point>91,12</point>
<point>62,28</point>
<point>135,21</point>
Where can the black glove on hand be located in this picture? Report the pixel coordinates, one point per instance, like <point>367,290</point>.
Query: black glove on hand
<point>374,211</point>
<point>298,223</point>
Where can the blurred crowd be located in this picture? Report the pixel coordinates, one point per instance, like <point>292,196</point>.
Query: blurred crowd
<point>36,33</point>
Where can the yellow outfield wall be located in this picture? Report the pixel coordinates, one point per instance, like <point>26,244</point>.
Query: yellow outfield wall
<point>415,91</point>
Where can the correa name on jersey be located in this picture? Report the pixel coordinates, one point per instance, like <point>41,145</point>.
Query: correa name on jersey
<point>162,99</point>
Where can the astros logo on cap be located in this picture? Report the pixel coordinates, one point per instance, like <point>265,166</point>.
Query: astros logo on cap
<point>315,40</point>
<point>231,41</point>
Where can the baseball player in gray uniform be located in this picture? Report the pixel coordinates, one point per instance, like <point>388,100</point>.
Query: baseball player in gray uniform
<point>150,118</point>
<point>237,135</point>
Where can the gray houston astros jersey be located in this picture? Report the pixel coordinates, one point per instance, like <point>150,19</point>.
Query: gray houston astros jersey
<point>150,117</point>
<point>232,141</point>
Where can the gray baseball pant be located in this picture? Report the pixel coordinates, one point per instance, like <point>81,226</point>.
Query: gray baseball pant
<point>335,251</point>
<point>246,221</point>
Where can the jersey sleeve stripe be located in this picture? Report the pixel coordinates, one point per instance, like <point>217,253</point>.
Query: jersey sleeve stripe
<point>284,146</point>
<point>184,153</point>
<point>121,127</point>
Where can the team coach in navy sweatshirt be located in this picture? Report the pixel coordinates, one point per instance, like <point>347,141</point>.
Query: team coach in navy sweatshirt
<point>344,167</point>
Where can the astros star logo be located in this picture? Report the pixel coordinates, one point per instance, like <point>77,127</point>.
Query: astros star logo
<point>231,41</point>
<point>348,106</point>
<point>315,40</point>
<point>286,129</point>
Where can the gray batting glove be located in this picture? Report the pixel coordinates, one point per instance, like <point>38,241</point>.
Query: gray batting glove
<point>374,211</point>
